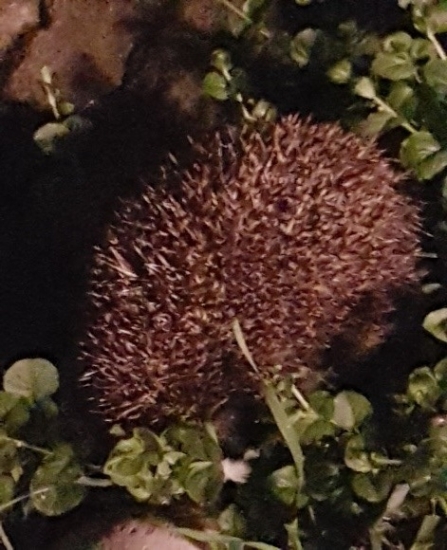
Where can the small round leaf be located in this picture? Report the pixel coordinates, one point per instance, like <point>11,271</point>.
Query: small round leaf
<point>356,457</point>
<point>340,73</point>
<point>423,388</point>
<point>301,46</point>
<point>373,488</point>
<point>32,378</point>
<point>350,409</point>
<point>285,484</point>
<point>54,486</point>
<point>435,74</point>
<point>393,66</point>
<point>436,324</point>
<point>365,88</point>
<point>215,85</point>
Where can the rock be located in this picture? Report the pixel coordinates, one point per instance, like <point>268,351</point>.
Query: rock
<point>84,45</point>
<point>16,18</point>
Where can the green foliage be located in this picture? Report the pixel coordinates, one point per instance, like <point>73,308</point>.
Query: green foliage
<point>157,469</point>
<point>407,88</point>
<point>52,472</point>
<point>55,486</point>
<point>32,378</point>
<point>227,82</point>
<point>336,459</point>
<point>405,84</point>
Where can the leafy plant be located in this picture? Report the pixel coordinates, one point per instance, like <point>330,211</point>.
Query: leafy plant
<point>37,469</point>
<point>326,458</point>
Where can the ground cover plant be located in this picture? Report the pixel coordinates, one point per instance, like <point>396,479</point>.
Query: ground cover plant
<point>335,468</point>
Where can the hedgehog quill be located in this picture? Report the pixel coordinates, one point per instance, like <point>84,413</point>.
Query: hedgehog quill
<point>300,233</point>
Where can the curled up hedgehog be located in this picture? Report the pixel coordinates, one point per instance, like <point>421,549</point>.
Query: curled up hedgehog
<point>300,233</point>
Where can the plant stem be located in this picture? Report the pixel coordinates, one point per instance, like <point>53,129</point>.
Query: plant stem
<point>15,501</point>
<point>93,482</point>
<point>443,504</point>
<point>385,107</point>
<point>439,49</point>
<point>24,445</point>
<point>236,10</point>
<point>300,398</point>
<point>4,538</point>
<point>241,14</point>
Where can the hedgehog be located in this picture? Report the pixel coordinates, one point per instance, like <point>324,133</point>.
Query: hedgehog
<point>134,535</point>
<point>300,232</point>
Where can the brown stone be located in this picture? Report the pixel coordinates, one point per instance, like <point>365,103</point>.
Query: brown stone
<point>85,46</point>
<point>16,18</point>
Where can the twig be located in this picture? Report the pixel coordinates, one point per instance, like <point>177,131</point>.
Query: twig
<point>385,107</point>
<point>300,398</point>
<point>93,482</point>
<point>24,445</point>
<point>4,538</point>
<point>231,7</point>
<point>439,49</point>
<point>15,501</point>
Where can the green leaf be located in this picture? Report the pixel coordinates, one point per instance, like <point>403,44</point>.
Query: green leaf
<point>421,49</point>
<point>350,409</point>
<point>9,459</point>
<point>423,388</point>
<point>401,94</point>
<point>17,417</point>
<point>340,73</point>
<point>301,46</point>
<point>231,521</point>
<point>322,477</point>
<point>322,403</point>
<point>285,426</point>
<point>7,402</point>
<point>365,88</point>
<point>247,18</point>
<point>393,66</point>
<point>418,147</point>
<point>264,111</point>
<point>48,135</point>
<point>430,167</point>
<point>440,372</point>
<point>141,484</point>
<point>397,42</point>
<point>123,469</point>
<point>436,324</point>
<point>372,488</point>
<point>203,482</point>
<point>425,536</point>
<point>7,489</point>
<point>437,19</point>
<point>221,60</point>
<point>32,378</point>
<point>375,123</point>
<point>215,85</point>
<point>317,431</point>
<point>197,443</point>
<point>285,484</point>
<point>49,408</point>
<point>54,486</point>
<point>356,458</point>
<point>435,74</point>
<point>251,7</point>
